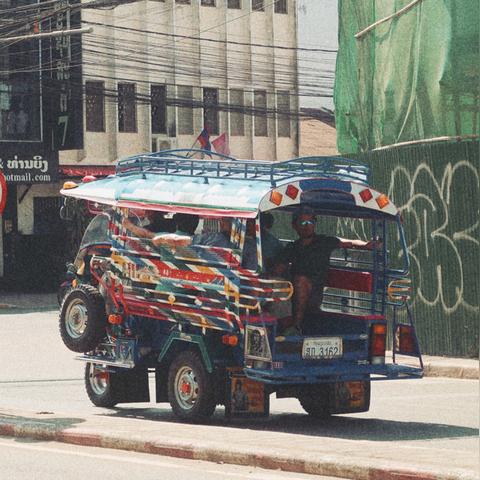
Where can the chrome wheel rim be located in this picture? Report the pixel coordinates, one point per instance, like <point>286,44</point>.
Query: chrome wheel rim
<point>186,388</point>
<point>76,318</point>
<point>99,380</point>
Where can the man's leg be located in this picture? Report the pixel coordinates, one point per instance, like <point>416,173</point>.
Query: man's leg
<point>307,299</point>
<point>302,288</point>
<point>310,320</point>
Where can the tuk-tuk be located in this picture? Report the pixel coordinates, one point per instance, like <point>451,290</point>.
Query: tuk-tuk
<point>209,323</point>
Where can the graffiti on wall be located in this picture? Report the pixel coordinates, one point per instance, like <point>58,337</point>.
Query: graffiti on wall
<point>440,211</point>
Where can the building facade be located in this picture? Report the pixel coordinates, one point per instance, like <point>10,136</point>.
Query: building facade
<point>157,73</point>
<point>154,75</point>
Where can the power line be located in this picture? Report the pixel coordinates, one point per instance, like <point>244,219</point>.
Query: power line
<point>212,40</point>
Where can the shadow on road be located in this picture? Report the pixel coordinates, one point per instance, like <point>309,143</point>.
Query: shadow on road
<point>341,427</point>
<point>47,428</point>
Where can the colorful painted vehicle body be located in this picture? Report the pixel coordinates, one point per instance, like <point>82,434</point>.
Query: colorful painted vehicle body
<point>209,324</point>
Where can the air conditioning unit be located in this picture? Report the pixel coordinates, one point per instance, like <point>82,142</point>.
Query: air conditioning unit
<point>162,143</point>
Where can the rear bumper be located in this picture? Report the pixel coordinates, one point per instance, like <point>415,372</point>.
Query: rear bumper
<point>332,373</point>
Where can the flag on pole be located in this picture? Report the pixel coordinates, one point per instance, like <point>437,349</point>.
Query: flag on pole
<point>220,144</point>
<point>204,139</point>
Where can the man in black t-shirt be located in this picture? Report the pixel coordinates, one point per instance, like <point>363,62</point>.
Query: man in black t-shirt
<point>307,261</point>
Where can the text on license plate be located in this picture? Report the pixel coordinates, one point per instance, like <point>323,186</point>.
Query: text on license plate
<point>324,347</point>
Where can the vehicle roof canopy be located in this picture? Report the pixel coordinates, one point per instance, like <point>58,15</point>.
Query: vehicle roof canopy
<point>223,186</point>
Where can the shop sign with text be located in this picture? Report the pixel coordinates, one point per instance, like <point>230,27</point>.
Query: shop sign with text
<point>29,168</point>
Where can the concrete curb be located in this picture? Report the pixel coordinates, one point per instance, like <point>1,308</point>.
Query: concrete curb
<point>335,466</point>
<point>467,373</point>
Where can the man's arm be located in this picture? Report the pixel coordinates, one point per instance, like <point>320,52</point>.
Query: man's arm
<point>172,240</point>
<point>136,230</point>
<point>360,244</point>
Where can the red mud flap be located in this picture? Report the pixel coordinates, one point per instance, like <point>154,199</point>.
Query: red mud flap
<point>349,397</point>
<point>245,397</point>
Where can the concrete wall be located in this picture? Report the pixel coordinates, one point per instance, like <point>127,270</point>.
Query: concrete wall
<point>317,138</point>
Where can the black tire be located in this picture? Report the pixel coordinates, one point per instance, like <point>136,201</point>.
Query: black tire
<point>315,401</point>
<point>99,386</point>
<point>191,389</point>
<point>82,318</point>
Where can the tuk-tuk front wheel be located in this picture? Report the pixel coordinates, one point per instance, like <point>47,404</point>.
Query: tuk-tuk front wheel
<point>190,387</point>
<point>82,318</point>
<point>98,385</point>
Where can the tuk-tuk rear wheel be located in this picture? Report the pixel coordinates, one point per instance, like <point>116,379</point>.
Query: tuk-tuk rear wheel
<point>190,387</point>
<point>314,401</point>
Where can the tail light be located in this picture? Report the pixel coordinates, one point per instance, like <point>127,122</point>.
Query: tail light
<point>378,342</point>
<point>405,340</point>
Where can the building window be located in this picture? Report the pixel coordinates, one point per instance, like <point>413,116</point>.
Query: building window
<point>20,106</point>
<point>184,2</point>
<point>283,113</point>
<point>158,102</point>
<point>127,110</point>
<point>185,110</point>
<point>237,113</point>
<point>260,107</point>
<point>281,6</point>
<point>208,3</point>
<point>95,106</point>
<point>234,4</point>
<point>210,110</point>
<point>258,6</point>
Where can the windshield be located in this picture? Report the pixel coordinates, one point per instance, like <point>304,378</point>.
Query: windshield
<point>97,231</point>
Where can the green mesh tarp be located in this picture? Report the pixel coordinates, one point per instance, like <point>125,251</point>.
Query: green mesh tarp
<point>413,77</point>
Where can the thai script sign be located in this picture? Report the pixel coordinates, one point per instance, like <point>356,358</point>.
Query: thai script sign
<point>28,167</point>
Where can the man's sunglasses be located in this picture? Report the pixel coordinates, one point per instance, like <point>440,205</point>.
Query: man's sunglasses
<point>304,223</point>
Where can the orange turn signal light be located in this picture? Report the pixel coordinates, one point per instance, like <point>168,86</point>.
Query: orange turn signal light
<point>276,197</point>
<point>115,319</point>
<point>69,185</point>
<point>382,201</point>
<point>230,340</point>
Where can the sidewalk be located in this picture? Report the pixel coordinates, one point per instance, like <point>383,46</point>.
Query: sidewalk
<point>308,449</point>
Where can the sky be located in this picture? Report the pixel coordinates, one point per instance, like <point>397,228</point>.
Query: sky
<point>317,28</point>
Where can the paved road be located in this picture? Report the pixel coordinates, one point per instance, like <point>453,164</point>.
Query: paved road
<point>433,421</point>
<point>27,460</point>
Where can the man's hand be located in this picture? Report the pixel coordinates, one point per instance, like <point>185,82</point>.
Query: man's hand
<point>373,244</point>
<point>360,244</point>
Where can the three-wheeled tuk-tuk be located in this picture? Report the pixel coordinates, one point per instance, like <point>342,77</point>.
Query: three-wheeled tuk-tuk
<point>199,304</point>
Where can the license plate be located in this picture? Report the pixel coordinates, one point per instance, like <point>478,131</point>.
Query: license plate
<point>322,348</point>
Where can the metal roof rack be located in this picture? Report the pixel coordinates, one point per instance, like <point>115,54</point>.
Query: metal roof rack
<point>181,162</point>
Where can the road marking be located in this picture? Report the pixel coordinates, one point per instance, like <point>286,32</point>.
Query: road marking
<point>45,380</point>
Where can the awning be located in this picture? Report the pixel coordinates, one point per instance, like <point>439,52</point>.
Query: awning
<point>83,170</point>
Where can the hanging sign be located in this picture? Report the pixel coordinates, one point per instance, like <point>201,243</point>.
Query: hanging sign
<point>64,117</point>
